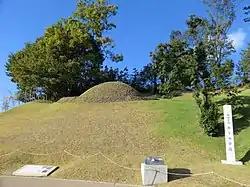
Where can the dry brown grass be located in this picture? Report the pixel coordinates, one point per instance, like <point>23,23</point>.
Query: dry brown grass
<point>122,131</point>
<point>126,132</point>
<point>105,93</point>
<point>236,173</point>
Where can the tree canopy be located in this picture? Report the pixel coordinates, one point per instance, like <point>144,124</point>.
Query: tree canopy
<point>199,58</point>
<point>68,58</point>
<point>244,66</point>
<point>169,63</point>
<point>247,12</point>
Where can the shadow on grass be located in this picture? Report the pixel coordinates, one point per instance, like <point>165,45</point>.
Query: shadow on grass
<point>178,173</point>
<point>246,157</point>
<point>241,116</point>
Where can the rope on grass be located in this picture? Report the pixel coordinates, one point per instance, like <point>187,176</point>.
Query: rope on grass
<point>76,156</point>
<point>125,167</point>
<point>179,174</point>
<point>129,168</point>
<point>38,154</point>
<point>139,169</point>
<point>8,153</point>
<point>85,157</point>
<point>231,180</point>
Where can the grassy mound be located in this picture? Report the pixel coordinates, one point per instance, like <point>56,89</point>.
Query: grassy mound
<point>126,133</point>
<point>110,92</point>
<point>68,100</point>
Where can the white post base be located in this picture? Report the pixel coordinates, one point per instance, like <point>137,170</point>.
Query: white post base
<point>239,163</point>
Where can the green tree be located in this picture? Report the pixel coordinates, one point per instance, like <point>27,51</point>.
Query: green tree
<point>64,62</point>
<point>148,77</point>
<point>109,74</point>
<point>168,61</point>
<point>123,76</point>
<point>211,68</point>
<point>135,80</point>
<point>219,47</point>
<point>68,58</point>
<point>244,66</point>
<point>95,15</point>
<point>142,80</point>
<point>247,12</point>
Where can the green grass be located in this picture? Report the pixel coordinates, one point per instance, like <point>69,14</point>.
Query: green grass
<point>126,132</point>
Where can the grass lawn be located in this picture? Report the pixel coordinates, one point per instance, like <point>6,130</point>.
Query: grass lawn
<point>126,132</point>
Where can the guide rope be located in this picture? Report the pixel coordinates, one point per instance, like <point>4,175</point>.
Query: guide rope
<point>39,154</point>
<point>8,153</point>
<point>231,180</point>
<point>84,156</point>
<point>125,167</point>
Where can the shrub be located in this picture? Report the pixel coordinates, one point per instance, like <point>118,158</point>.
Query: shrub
<point>209,119</point>
<point>209,114</point>
<point>170,90</point>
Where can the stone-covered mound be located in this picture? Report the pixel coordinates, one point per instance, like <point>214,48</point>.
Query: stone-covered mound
<point>110,92</point>
<point>68,100</point>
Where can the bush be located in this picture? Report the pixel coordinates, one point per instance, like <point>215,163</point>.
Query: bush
<point>209,113</point>
<point>233,98</point>
<point>209,119</point>
<point>170,90</point>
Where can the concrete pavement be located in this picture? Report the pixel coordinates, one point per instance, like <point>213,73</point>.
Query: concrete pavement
<point>13,181</point>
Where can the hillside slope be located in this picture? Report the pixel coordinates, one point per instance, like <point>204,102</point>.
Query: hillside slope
<point>124,133</point>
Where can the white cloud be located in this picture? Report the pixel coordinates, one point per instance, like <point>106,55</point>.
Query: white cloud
<point>238,38</point>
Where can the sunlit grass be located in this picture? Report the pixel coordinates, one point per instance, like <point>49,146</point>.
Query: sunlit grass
<point>126,132</point>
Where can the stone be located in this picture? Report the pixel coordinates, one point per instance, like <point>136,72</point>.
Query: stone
<point>154,174</point>
<point>35,170</point>
<point>229,137</point>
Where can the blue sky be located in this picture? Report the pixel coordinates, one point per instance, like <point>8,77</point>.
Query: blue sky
<point>141,25</point>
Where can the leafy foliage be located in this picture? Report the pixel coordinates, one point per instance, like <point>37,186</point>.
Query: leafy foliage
<point>149,78</point>
<point>64,62</point>
<point>219,47</point>
<point>209,115</point>
<point>169,62</point>
<point>198,58</point>
<point>209,119</point>
<point>95,15</point>
<point>68,58</point>
<point>244,66</point>
<point>233,98</point>
<point>212,68</point>
<point>142,80</point>
<point>247,12</point>
<point>170,90</point>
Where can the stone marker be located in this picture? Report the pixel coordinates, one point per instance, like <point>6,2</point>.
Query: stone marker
<point>154,171</point>
<point>35,171</point>
<point>229,137</point>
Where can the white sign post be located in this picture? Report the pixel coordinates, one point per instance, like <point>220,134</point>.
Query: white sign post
<point>229,137</point>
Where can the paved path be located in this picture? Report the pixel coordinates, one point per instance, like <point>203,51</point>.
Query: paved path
<point>13,181</point>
